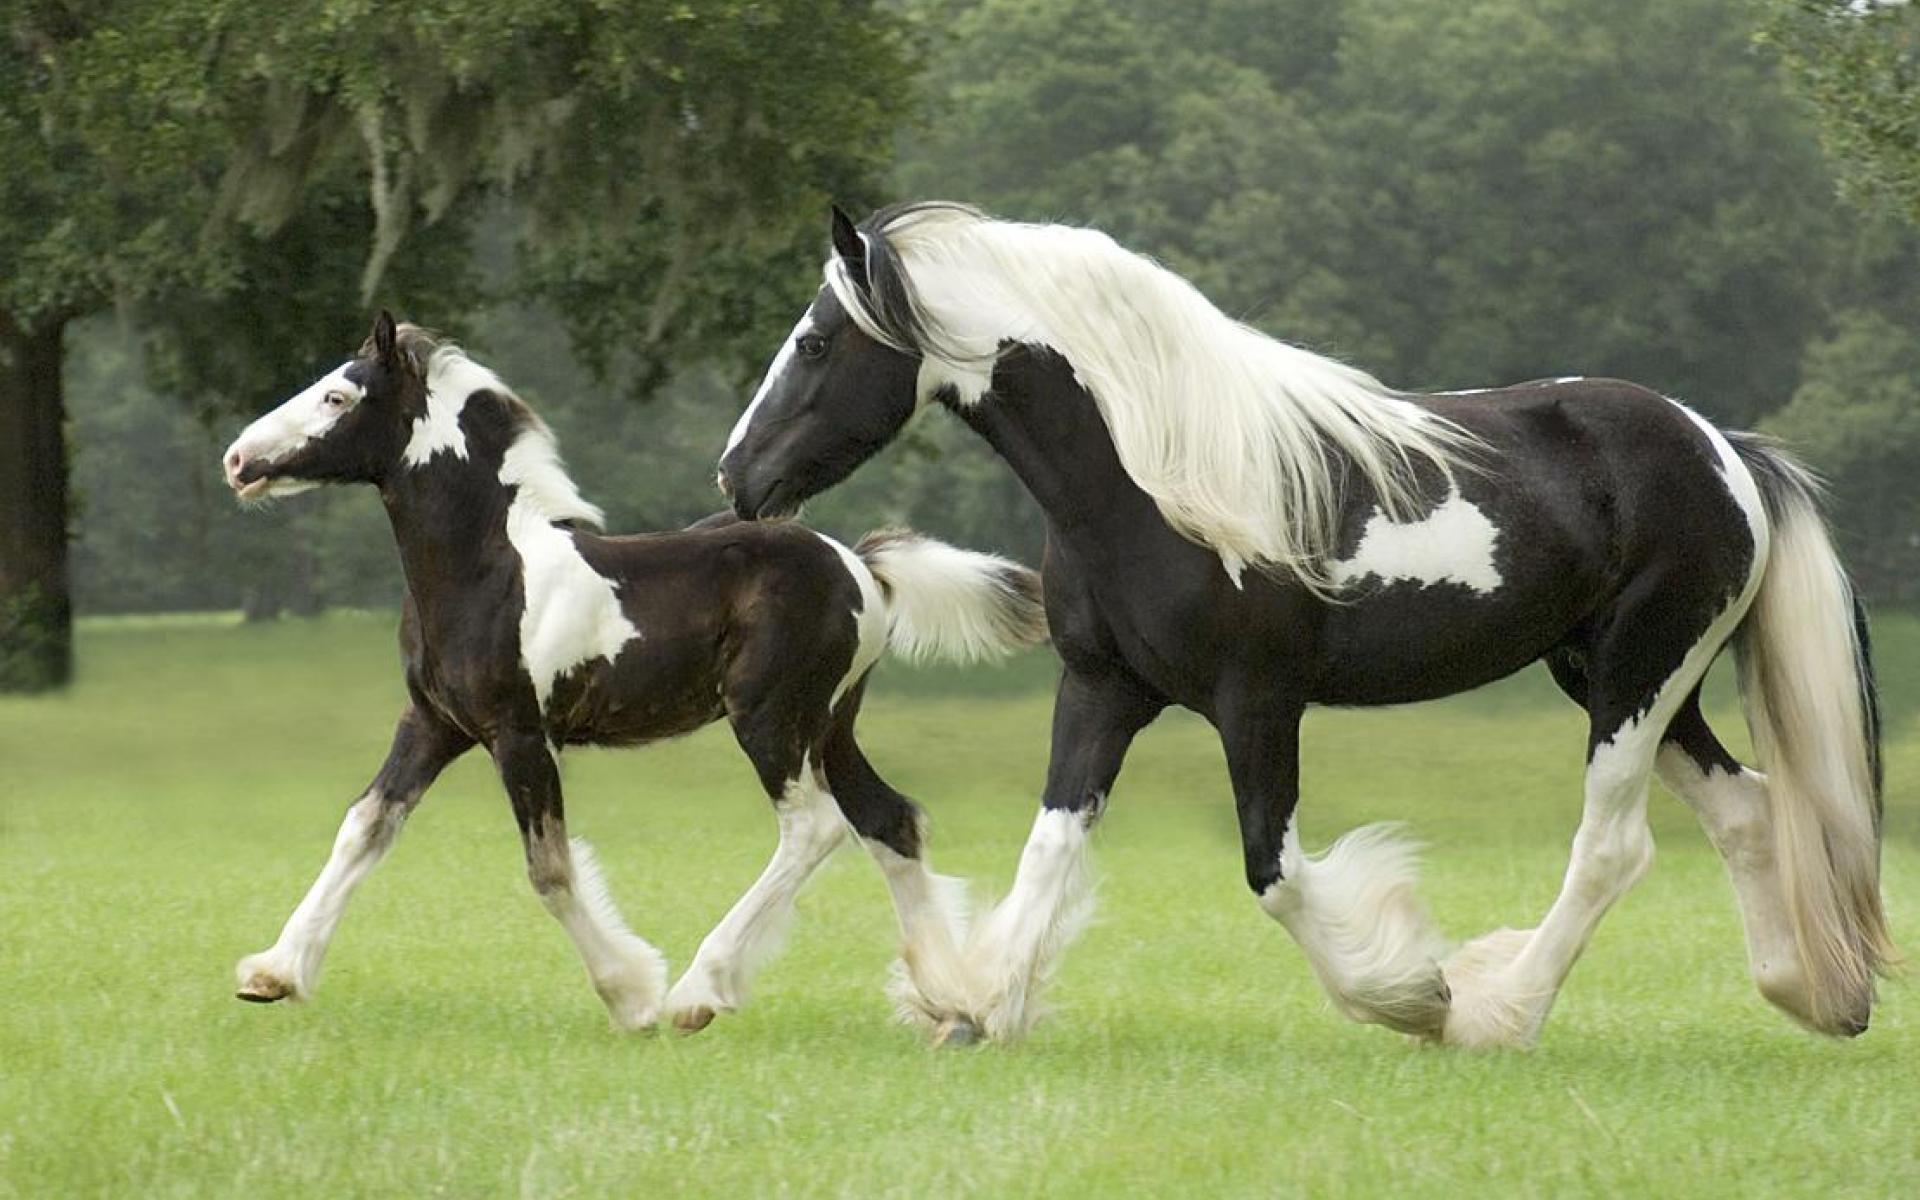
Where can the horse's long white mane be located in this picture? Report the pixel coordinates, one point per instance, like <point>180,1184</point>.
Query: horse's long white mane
<point>532,463</point>
<point>1238,438</point>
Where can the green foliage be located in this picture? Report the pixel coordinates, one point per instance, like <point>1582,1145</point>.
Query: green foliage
<point>1856,419</point>
<point>1858,61</point>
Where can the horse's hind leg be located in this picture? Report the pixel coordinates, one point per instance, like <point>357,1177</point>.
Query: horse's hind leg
<point>626,971</point>
<point>1731,802</point>
<point>781,730</point>
<point>930,982</point>
<point>1352,909</point>
<point>1504,984</point>
<point>422,746</point>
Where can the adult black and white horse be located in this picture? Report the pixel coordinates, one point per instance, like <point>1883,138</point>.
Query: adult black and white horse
<point>525,631</point>
<point>1244,528</point>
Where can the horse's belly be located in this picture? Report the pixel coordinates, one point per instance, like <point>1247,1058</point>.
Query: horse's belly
<point>1410,643</point>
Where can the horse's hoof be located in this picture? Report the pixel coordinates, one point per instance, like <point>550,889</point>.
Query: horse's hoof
<point>692,1020</point>
<point>263,989</point>
<point>956,1031</point>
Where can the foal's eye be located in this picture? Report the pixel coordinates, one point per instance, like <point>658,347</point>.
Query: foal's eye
<point>336,399</point>
<point>811,345</point>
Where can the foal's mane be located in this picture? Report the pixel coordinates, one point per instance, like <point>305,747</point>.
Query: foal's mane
<point>1243,441</point>
<point>531,462</point>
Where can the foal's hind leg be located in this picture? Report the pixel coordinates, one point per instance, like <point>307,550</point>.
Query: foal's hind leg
<point>627,972</point>
<point>781,739</point>
<point>930,981</point>
<point>422,746</point>
<point>1504,984</point>
<point>1731,802</point>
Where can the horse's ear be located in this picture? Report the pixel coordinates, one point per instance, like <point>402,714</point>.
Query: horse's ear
<point>386,336</point>
<point>847,244</point>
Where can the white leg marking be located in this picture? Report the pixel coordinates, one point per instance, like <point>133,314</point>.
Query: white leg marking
<point>629,974</point>
<point>1013,949</point>
<point>810,828</point>
<point>291,967</point>
<point>1354,912</point>
<point>1734,811</point>
<point>930,981</point>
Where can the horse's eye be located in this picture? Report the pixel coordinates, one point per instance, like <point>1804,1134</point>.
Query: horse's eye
<point>811,345</point>
<point>336,399</point>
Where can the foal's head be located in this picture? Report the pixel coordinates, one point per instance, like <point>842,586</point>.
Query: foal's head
<point>353,426</point>
<point>834,395</point>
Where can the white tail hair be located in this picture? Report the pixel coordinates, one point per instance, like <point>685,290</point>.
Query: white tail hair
<point>1241,440</point>
<point>1807,688</point>
<point>947,603</point>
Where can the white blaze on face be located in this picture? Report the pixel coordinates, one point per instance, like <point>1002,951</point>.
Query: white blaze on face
<point>1452,544</point>
<point>781,362</point>
<point>303,419</point>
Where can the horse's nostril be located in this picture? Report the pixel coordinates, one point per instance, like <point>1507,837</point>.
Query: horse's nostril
<point>234,462</point>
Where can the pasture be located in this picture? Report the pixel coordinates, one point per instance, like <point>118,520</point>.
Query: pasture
<point>162,818</point>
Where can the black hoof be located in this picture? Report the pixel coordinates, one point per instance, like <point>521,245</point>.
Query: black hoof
<point>957,1031</point>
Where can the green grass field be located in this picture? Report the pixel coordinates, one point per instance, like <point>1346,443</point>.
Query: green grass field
<point>164,817</point>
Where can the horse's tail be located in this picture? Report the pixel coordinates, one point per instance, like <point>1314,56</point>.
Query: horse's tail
<point>1807,684</point>
<point>947,603</point>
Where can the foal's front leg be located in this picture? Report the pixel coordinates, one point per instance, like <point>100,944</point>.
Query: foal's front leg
<point>422,746</point>
<point>629,974</point>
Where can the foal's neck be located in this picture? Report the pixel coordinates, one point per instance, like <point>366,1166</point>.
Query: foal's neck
<point>449,519</point>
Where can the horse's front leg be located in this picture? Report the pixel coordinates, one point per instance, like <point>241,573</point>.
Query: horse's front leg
<point>1351,909</point>
<point>422,746</point>
<point>629,974</point>
<point>1012,950</point>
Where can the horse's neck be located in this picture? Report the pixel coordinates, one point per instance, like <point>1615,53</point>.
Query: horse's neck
<point>1047,428</point>
<point>449,523</point>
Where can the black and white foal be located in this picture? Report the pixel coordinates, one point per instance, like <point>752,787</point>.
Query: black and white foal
<point>525,631</point>
<point>1243,528</point>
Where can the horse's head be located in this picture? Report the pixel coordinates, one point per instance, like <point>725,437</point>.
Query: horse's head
<point>834,395</point>
<point>352,426</point>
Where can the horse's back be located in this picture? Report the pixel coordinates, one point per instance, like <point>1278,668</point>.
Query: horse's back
<point>1583,491</point>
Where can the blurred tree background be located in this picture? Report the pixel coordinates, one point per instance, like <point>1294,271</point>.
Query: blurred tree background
<point>623,211</point>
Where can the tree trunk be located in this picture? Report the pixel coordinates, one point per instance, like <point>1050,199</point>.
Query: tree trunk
<point>36,613</point>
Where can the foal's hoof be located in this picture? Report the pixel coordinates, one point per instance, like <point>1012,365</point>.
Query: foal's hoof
<point>956,1031</point>
<point>692,1020</point>
<point>263,989</point>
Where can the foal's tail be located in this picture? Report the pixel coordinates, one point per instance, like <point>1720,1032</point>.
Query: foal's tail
<point>952,604</point>
<point>1807,683</point>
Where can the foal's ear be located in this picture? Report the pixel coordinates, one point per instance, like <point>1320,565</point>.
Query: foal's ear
<point>385,336</point>
<point>847,244</point>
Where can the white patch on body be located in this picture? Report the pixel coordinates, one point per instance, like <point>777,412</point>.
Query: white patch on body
<point>451,378</point>
<point>871,620</point>
<point>1739,481</point>
<point>572,613</point>
<point>306,417</point>
<point>1452,544</point>
<point>811,826</point>
<point>781,361</point>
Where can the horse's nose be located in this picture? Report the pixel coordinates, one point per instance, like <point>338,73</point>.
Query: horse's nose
<point>233,462</point>
<point>724,484</point>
